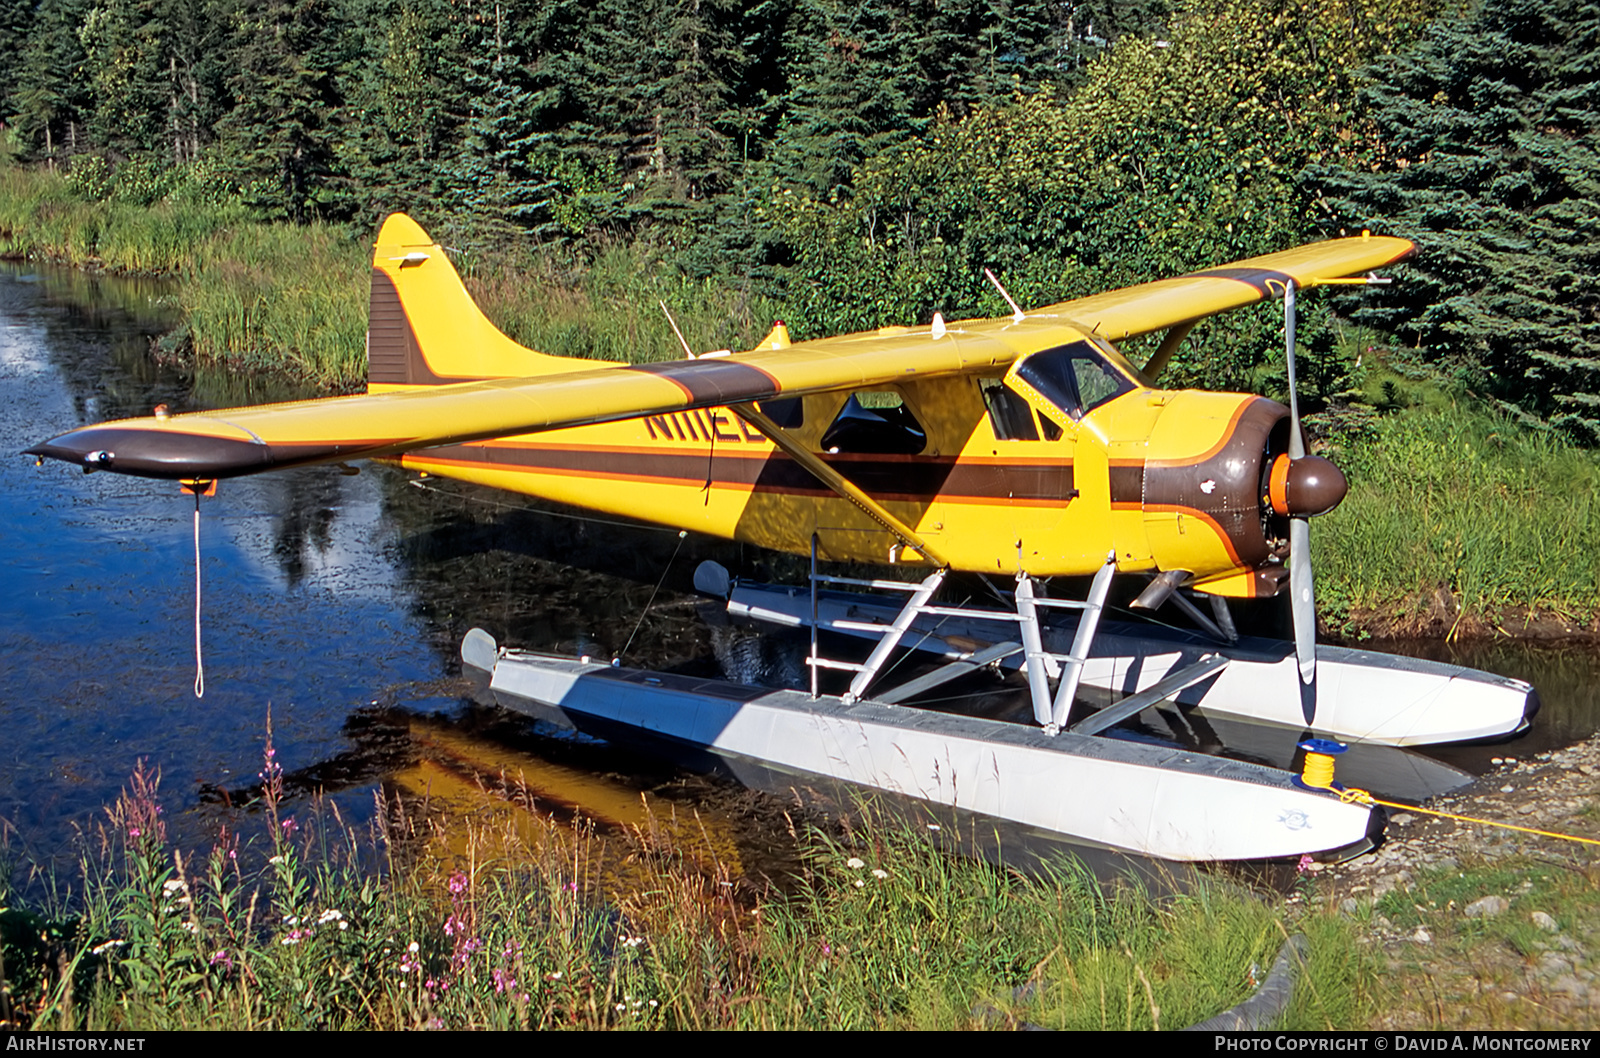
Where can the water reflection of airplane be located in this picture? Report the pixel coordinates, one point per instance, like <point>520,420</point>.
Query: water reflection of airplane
<point>1025,446</point>
<point>515,797</point>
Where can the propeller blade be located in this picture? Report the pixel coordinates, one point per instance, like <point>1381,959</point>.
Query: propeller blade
<point>1297,446</point>
<point>1303,601</point>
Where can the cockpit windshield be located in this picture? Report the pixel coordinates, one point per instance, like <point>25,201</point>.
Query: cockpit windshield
<point>1076,378</point>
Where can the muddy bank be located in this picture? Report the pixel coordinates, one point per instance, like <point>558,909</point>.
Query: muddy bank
<point>1439,614</point>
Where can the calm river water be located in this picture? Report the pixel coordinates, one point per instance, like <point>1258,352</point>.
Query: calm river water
<point>336,601</point>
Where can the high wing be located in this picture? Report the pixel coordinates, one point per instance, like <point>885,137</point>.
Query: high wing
<point>1148,307</point>
<point>555,393</point>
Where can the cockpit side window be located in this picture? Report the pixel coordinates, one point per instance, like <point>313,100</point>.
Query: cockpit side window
<point>1009,414</point>
<point>1075,378</point>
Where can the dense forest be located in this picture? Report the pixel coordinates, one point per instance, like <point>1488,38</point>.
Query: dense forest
<point>859,164</point>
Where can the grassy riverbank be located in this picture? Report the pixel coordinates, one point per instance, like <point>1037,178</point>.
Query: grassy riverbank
<point>879,930</point>
<point>292,299</point>
<point>1460,521</point>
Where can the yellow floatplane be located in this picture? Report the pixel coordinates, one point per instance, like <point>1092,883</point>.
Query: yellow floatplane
<point>1021,448</point>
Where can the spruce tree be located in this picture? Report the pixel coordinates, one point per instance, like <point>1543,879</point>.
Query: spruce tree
<point>406,101</point>
<point>123,41</point>
<point>1487,153</point>
<point>50,94</point>
<point>16,21</point>
<point>495,179</point>
<point>850,96</point>
<point>277,139</point>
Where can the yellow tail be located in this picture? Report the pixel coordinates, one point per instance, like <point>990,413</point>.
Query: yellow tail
<point>424,329</point>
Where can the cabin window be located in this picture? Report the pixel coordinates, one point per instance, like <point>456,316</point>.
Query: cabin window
<point>1076,378</point>
<point>1010,416</point>
<point>876,423</point>
<point>787,412</point>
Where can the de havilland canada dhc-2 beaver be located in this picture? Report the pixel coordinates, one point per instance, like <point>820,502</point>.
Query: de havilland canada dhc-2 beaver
<point>1021,448</point>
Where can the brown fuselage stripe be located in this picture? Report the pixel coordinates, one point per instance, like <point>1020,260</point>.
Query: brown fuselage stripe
<point>885,477</point>
<point>1220,486</point>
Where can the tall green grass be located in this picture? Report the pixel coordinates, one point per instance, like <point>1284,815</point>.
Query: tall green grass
<point>44,215</point>
<point>283,299</point>
<point>292,299</point>
<point>880,930</point>
<point>1503,517</point>
<point>608,306</point>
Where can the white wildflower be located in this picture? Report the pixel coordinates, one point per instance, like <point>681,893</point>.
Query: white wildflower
<point>855,863</point>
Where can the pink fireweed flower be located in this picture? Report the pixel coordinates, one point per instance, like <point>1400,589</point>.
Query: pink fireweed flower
<point>1305,864</point>
<point>458,883</point>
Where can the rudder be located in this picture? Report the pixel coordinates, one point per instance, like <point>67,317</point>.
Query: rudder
<point>424,329</point>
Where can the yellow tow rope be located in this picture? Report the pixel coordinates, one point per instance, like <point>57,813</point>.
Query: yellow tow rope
<point>1317,773</point>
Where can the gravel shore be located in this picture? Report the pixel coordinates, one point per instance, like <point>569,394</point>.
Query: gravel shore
<point>1483,926</point>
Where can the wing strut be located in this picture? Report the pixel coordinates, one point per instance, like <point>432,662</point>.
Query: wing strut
<point>837,481</point>
<point>1169,345</point>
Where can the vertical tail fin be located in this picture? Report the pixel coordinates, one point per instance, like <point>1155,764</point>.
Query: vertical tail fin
<point>423,327</point>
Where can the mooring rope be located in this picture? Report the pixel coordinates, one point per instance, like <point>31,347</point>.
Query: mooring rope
<point>199,660</point>
<point>1317,772</point>
<point>682,534</point>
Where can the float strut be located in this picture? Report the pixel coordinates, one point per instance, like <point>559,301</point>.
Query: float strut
<point>891,638</point>
<point>1036,661</point>
<point>1072,670</point>
<point>814,665</point>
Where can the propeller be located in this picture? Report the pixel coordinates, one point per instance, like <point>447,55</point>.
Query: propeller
<point>1303,602</point>
<point>1302,486</point>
